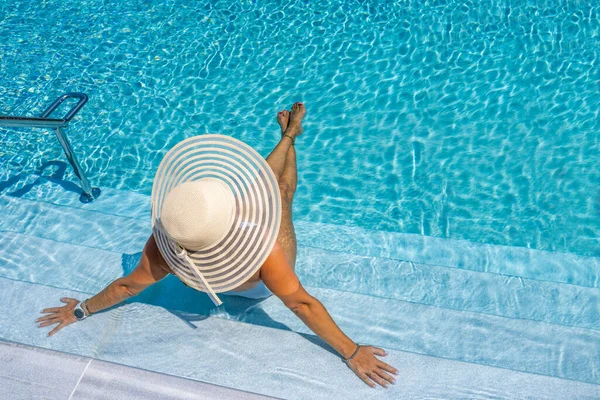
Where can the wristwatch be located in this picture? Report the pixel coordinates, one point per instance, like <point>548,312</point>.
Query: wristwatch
<point>81,312</point>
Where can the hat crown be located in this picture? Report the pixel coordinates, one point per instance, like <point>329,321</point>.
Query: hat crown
<point>198,214</point>
<point>246,198</point>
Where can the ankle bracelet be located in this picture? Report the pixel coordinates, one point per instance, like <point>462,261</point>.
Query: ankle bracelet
<point>292,139</point>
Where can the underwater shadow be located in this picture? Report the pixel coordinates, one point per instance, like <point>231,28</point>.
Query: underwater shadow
<point>191,305</point>
<point>56,176</point>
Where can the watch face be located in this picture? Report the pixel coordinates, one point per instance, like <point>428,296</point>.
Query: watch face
<point>78,313</point>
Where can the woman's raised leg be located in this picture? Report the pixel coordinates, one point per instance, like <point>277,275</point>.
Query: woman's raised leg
<point>284,166</point>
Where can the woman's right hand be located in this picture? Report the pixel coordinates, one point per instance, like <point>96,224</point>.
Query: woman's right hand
<point>62,316</point>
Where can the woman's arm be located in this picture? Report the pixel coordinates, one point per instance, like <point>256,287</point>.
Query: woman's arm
<point>364,364</point>
<point>150,269</point>
<point>279,277</point>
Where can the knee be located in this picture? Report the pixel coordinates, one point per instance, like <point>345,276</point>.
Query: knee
<point>287,191</point>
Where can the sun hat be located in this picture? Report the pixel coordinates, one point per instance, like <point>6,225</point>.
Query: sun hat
<point>216,211</point>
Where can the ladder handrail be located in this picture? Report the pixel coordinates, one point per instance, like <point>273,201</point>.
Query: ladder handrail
<point>82,100</point>
<point>31,122</point>
<point>57,125</point>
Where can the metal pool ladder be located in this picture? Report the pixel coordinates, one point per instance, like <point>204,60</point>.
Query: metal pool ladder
<point>57,125</point>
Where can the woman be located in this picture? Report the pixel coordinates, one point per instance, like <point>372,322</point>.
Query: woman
<point>275,276</point>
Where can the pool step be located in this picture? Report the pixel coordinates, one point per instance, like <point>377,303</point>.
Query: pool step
<point>127,234</point>
<point>74,225</point>
<point>63,193</point>
<point>453,288</point>
<point>517,344</point>
<point>242,356</point>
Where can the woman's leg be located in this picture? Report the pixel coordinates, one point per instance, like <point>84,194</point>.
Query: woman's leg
<point>292,128</point>
<point>284,166</point>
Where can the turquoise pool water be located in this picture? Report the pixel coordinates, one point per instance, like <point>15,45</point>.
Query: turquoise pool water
<point>468,120</point>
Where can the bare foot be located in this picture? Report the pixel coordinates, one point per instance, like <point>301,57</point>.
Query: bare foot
<point>294,127</point>
<point>283,118</point>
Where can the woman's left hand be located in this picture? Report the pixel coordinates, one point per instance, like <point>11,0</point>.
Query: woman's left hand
<point>369,368</point>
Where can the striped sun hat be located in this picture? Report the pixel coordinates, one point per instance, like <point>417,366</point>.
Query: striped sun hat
<point>216,211</point>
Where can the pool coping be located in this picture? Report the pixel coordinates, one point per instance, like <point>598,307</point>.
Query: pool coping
<point>35,372</point>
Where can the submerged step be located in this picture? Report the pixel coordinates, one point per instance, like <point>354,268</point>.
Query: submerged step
<point>519,344</point>
<point>242,356</point>
<point>87,269</point>
<point>122,238</point>
<point>112,201</point>
<point>73,225</point>
<point>454,288</point>
<point>514,261</point>
<point>62,265</point>
<point>522,345</point>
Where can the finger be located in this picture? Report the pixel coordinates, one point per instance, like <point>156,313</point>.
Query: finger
<point>386,376</point>
<point>387,367</point>
<point>378,351</point>
<point>50,310</point>
<point>46,317</point>
<point>377,378</point>
<point>68,300</point>
<point>366,379</point>
<point>51,322</point>
<point>58,328</point>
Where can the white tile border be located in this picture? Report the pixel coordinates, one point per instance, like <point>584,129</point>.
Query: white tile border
<point>170,383</point>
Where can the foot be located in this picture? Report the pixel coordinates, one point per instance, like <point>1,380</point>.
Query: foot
<point>294,127</point>
<point>283,118</point>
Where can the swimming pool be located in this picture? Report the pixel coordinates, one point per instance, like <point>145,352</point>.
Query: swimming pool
<point>467,121</point>
<point>473,126</point>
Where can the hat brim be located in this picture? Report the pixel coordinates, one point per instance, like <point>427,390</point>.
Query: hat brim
<point>257,217</point>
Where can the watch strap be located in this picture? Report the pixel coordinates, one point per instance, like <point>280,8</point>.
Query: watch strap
<point>84,307</point>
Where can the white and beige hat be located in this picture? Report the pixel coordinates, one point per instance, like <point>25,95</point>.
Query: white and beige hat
<point>216,211</point>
